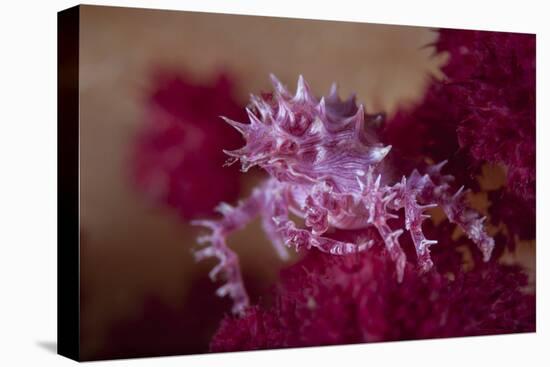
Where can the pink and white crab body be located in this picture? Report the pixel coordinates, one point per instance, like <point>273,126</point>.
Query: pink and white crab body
<point>327,167</point>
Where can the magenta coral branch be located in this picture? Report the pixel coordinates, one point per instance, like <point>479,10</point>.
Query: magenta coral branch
<point>177,151</point>
<point>329,300</point>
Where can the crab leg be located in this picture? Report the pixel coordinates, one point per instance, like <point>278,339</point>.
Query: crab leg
<point>454,207</point>
<point>302,238</point>
<point>234,218</point>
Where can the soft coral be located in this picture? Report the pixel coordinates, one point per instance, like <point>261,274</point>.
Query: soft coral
<point>327,300</point>
<point>178,158</point>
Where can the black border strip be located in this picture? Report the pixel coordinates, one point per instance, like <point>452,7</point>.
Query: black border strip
<point>68,243</point>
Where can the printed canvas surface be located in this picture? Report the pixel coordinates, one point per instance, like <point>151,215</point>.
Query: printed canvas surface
<point>256,183</point>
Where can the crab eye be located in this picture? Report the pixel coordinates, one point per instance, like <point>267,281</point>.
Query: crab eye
<point>288,147</point>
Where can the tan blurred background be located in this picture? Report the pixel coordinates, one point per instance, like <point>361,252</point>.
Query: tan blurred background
<point>136,263</point>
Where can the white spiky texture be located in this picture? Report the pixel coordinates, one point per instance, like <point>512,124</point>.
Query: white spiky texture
<point>300,139</point>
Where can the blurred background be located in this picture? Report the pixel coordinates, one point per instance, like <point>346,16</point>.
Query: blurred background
<point>142,74</point>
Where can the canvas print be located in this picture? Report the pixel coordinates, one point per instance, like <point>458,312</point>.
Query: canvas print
<point>257,183</point>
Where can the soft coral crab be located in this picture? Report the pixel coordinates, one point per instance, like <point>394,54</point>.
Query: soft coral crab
<point>326,166</point>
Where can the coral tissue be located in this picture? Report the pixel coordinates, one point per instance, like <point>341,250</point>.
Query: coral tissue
<point>178,150</point>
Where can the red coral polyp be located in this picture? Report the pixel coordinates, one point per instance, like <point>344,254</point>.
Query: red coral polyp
<point>492,79</point>
<point>178,151</point>
<point>328,300</point>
